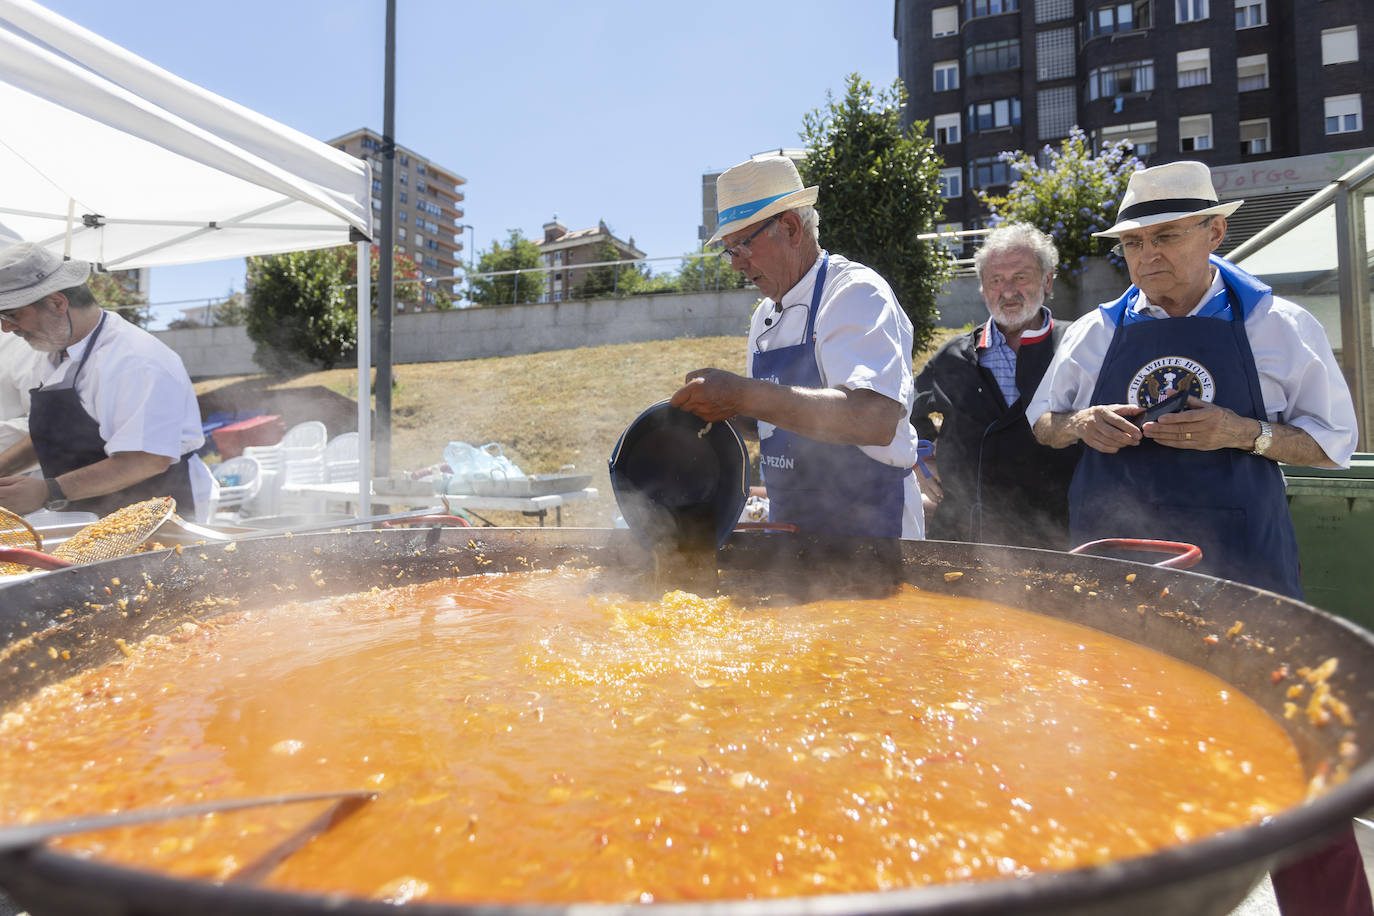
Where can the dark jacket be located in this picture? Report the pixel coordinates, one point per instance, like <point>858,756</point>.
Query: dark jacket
<point>1024,485</point>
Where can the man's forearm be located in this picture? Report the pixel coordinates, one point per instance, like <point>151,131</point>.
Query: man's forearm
<point>109,475</point>
<point>834,415</point>
<point>18,457</point>
<point>1056,430</point>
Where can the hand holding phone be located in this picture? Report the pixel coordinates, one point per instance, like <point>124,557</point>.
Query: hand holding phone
<point>1172,404</point>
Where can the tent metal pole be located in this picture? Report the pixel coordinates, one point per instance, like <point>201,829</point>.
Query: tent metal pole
<point>386,308</point>
<point>364,379</point>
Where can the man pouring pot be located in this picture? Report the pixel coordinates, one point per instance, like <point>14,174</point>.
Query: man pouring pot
<point>829,366</point>
<point>114,419</point>
<point>1262,387</point>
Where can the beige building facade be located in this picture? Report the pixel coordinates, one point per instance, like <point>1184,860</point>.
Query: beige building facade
<point>427,211</point>
<point>570,253</point>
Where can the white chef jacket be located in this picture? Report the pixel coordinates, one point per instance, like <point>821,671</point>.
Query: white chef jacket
<point>20,366</point>
<point>863,341</point>
<point>137,389</point>
<point>1300,380</point>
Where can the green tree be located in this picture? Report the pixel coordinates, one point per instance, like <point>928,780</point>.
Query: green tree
<point>519,253</point>
<point>298,314</point>
<point>232,310</point>
<point>618,279</point>
<point>116,296</point>
<point>303,309</point>
<point>707,274</point>
<point>879,189</point>
<point>1071,196</point>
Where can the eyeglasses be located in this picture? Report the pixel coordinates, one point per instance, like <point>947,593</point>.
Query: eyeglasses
<point>742,249</point>
<point>1163,240</point>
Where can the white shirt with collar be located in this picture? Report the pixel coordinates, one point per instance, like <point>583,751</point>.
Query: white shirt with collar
<point>137,389</point>
<point>20,369</point>
<point>863,341</point>
<point>1300,381</point>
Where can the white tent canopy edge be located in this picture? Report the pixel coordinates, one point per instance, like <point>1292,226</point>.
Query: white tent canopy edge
<point>114,160</point>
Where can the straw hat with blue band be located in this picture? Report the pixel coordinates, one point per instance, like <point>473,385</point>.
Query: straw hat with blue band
<point>1164,193</point>
<point>755,190</point>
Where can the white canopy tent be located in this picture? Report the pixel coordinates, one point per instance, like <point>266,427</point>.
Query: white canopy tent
<point>108,158</point>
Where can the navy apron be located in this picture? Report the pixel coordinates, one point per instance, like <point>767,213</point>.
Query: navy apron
<point>65,438</point>
<point>819,487</point>
<point>1228,502</point>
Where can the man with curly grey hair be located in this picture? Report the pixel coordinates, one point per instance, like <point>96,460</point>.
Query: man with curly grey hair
<point>992,482</point>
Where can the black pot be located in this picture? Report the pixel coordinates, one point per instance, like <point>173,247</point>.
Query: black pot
<point>1183,614</point>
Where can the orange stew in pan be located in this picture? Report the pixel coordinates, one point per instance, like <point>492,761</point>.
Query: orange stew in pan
<point>534,739</point>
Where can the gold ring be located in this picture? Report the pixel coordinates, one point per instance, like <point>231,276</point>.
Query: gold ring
<point>1187,435</point>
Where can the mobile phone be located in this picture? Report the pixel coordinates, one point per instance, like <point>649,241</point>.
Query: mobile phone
<point>1172,404</point>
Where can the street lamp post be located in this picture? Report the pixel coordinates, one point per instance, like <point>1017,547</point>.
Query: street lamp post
<point>472,253</point>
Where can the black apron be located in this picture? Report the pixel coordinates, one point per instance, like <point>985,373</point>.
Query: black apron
<point>65,438</point>
<point>1229,502</point>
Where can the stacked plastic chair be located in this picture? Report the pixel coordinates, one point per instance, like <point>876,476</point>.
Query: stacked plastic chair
<point>302,462</point>
<point>239,480</point>
<point>341,458</point>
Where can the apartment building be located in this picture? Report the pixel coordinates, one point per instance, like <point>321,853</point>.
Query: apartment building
<point>1229,82</point>
<point>568,253</point>
<point>427,212</point>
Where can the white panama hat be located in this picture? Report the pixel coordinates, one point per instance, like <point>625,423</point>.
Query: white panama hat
<point>29,272</point>
<point>755,190</point>
<point>1168,192</point>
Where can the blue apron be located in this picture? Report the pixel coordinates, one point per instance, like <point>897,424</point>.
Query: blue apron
<point>65,438</point>
<point>1228,502</point>
<point>819,487</point>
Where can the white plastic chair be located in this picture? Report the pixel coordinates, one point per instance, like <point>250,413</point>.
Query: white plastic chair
<point>311,434</point>
<point>271,460</point>
<point>341,460</point>
<point>239,479</point>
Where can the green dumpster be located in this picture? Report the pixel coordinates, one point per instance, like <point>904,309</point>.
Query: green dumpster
<point>1333,514</point>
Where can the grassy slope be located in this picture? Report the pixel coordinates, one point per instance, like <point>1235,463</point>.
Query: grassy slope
<point>546,409</point>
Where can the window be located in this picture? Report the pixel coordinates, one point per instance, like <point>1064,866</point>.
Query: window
<point>419,168</point>
<point>1190,10</point>
<point>944,20</point>
<point>1053,10</point>
<point>1194,68</point>
<point>1343,114</point>
<point>1056,111</point>
<point>420,186</point>
<point>994,113</point>
<point>975,8</point>
<point>1340,46</point>
<point>1195,133</point>
<point>1252,73</point>
<point>1054,54</point>
<point>405,178</point>
<point>376,203</point>
<point>419,240</point>
<point>1121,79</point>
<point>401,216</point>
<point>1250,13</point>
<point>951,183</point>
<point>1143,135</point>
<point>403,197</point>
<point>947,128</point>
<point>1254,137</point>
<point>376,186</point>
<point>992,56</point>
<point>946,75</point>
<point>990,170</point>
<point>401,232</point>
<point>1119,17</point>
<point>405,160</point>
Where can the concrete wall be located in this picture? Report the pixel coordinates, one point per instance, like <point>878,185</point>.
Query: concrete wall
<point>519,329</point>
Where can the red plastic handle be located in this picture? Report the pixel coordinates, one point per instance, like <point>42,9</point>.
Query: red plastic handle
<point>1187,555</point>
<point>34,559</point>
<point>457,521</point>
<point>787,527</point>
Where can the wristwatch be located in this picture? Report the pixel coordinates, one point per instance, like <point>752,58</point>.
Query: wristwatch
<point>1263,440</point>
<point>57,500</point>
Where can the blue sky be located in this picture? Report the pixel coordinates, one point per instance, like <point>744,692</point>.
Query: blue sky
<point>606,110</point>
